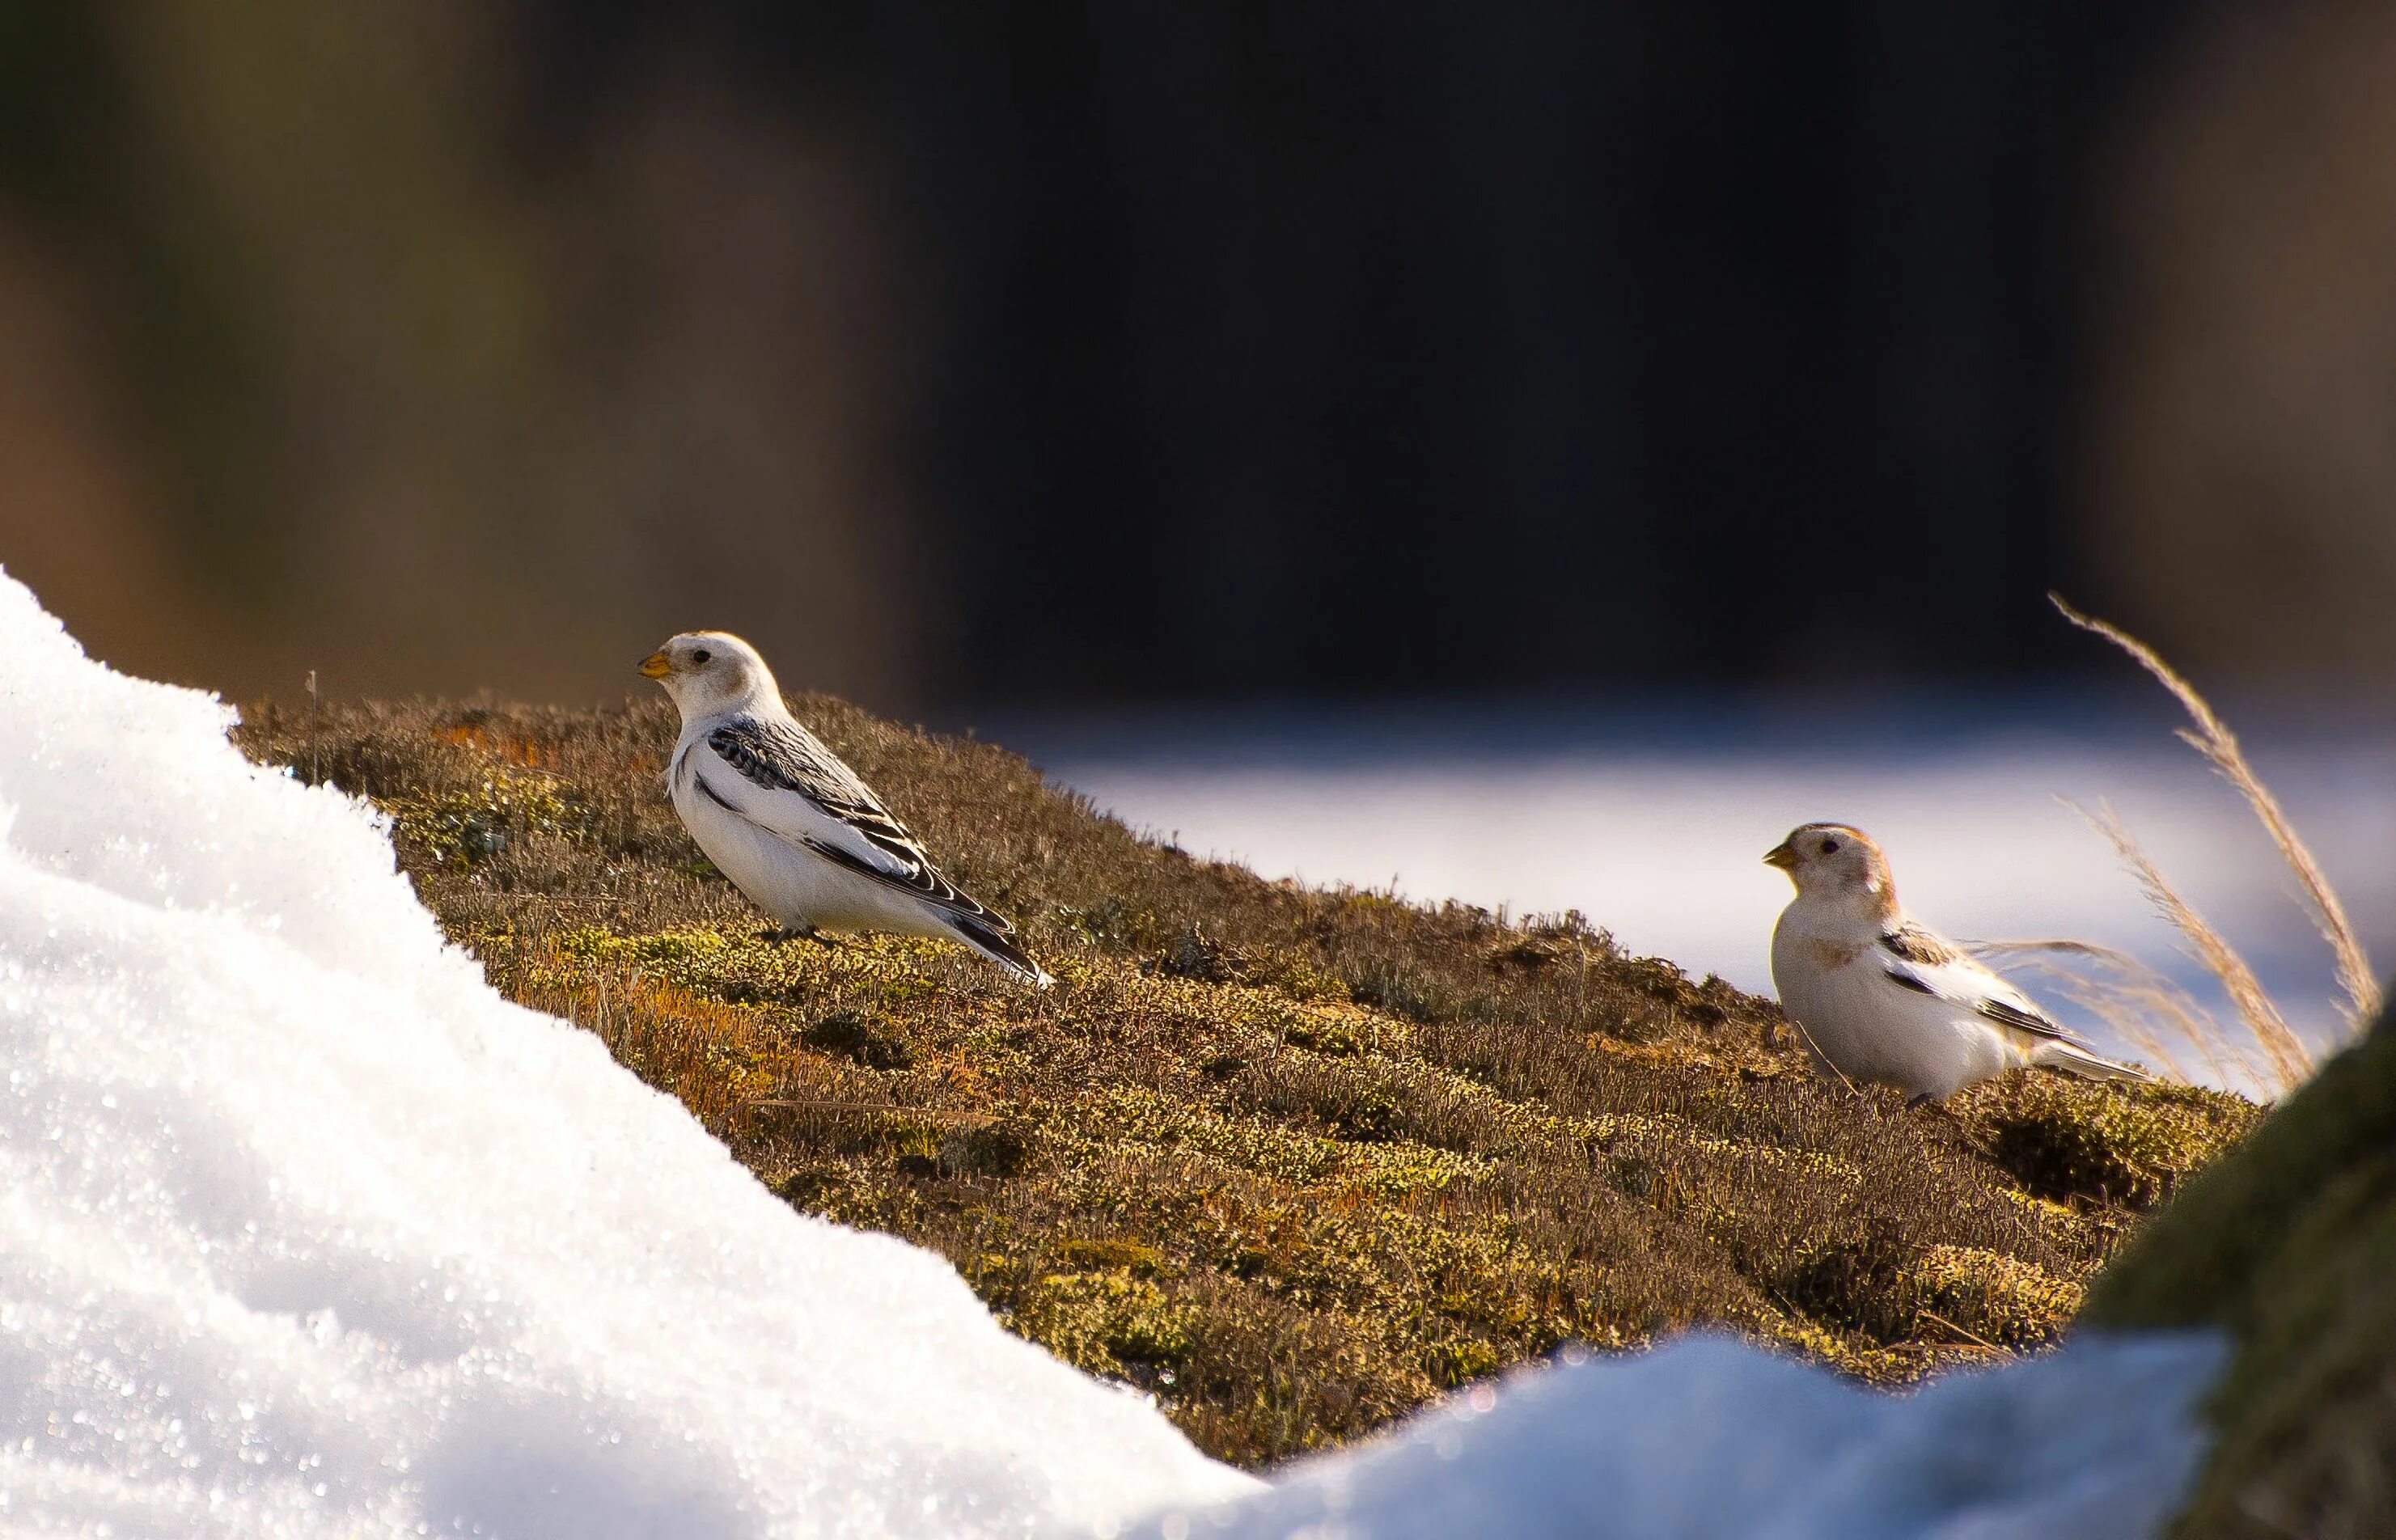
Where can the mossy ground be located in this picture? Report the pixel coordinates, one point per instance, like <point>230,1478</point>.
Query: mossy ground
<point>1292,1159</point>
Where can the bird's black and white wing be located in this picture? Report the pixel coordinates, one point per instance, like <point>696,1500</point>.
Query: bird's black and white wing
<point>1918,958</point>
<point>782,779</point>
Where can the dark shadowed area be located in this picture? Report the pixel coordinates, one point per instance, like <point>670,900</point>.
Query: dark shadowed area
<point>1064,357</point>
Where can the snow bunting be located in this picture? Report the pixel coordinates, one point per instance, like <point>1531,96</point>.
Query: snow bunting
<point>1881,999</point>
<point>793,827</point>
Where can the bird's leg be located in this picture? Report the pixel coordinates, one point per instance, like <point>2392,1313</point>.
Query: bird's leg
<point>777,935</point>
<point>1924,1099</point>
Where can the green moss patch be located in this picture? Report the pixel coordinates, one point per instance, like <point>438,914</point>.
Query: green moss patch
<point>2068,1140</point>
<point>1992,1298</point>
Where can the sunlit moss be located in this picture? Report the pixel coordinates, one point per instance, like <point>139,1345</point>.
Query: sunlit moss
<point>1107,1322</point>
<point>1993,1297</point>
<point>470,825</point>
<point>2065,1138</point>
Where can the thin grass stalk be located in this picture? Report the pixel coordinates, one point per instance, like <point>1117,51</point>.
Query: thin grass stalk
<point>2140,1002</point>
<point>2213,740</point>
<point>2291,1062</point>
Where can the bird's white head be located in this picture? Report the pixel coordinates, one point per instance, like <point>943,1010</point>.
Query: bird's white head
<point>1837,864</point>
<point>709,674</point>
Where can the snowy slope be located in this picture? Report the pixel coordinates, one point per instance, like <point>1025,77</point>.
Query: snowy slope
<point>305,1231</point>
<point>1710,1439</point>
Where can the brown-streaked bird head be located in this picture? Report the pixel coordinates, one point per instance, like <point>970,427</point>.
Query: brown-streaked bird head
<point>711,672</point>
<point>1833,860</point>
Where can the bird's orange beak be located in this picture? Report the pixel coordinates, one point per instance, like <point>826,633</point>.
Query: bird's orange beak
<point>655,666</point>
<point>1783,856</point>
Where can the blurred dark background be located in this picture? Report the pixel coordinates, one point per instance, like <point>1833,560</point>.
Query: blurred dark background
<point>1048,355</point>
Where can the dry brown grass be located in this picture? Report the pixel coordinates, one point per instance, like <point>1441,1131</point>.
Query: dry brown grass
<point>2285,1056</point>
<point>2285,1060</point>
<point>1292,1159</point>
<point>2150,1011</point>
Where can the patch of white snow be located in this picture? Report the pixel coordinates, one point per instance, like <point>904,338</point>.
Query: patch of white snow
<point>305,1231</point>
<point>1711,1439</point>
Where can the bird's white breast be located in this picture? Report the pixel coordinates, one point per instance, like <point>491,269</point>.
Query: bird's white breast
<point>1868,1028</point>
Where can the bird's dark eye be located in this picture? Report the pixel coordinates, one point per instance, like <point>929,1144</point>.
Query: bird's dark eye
<point>1830,847</point>
<point>699,657</point>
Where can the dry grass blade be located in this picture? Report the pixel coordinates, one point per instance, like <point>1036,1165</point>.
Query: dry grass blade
<point>2136,999</point>
<point>921,1114</point>
<point>2291,1063</point>
<point>1964,1336</point>
<point>2219,746</point>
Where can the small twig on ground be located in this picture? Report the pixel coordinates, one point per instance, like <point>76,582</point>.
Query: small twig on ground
<point>1971,1338</point>
<point>930,1114</point>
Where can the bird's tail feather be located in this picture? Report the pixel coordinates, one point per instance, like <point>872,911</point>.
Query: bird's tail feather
<point>995,946</point>
<point>2072,1059</point>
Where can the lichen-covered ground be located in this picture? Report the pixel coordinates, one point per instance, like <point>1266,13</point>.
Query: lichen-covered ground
<point>1291,1160</point>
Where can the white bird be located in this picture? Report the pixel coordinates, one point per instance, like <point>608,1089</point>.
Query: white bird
<point>1880,999</point>
<point>793,827</point>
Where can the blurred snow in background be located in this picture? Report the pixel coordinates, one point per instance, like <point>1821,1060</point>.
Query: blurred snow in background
<point>1653,822</point>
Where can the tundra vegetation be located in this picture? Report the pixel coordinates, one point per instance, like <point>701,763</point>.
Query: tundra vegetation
<point>1291,1160</point>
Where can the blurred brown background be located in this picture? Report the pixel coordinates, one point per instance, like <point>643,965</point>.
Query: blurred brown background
<point>1033,353</point>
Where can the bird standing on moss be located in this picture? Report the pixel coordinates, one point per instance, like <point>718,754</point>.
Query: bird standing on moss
<point>1883,999</point>
<point>795,828</point>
